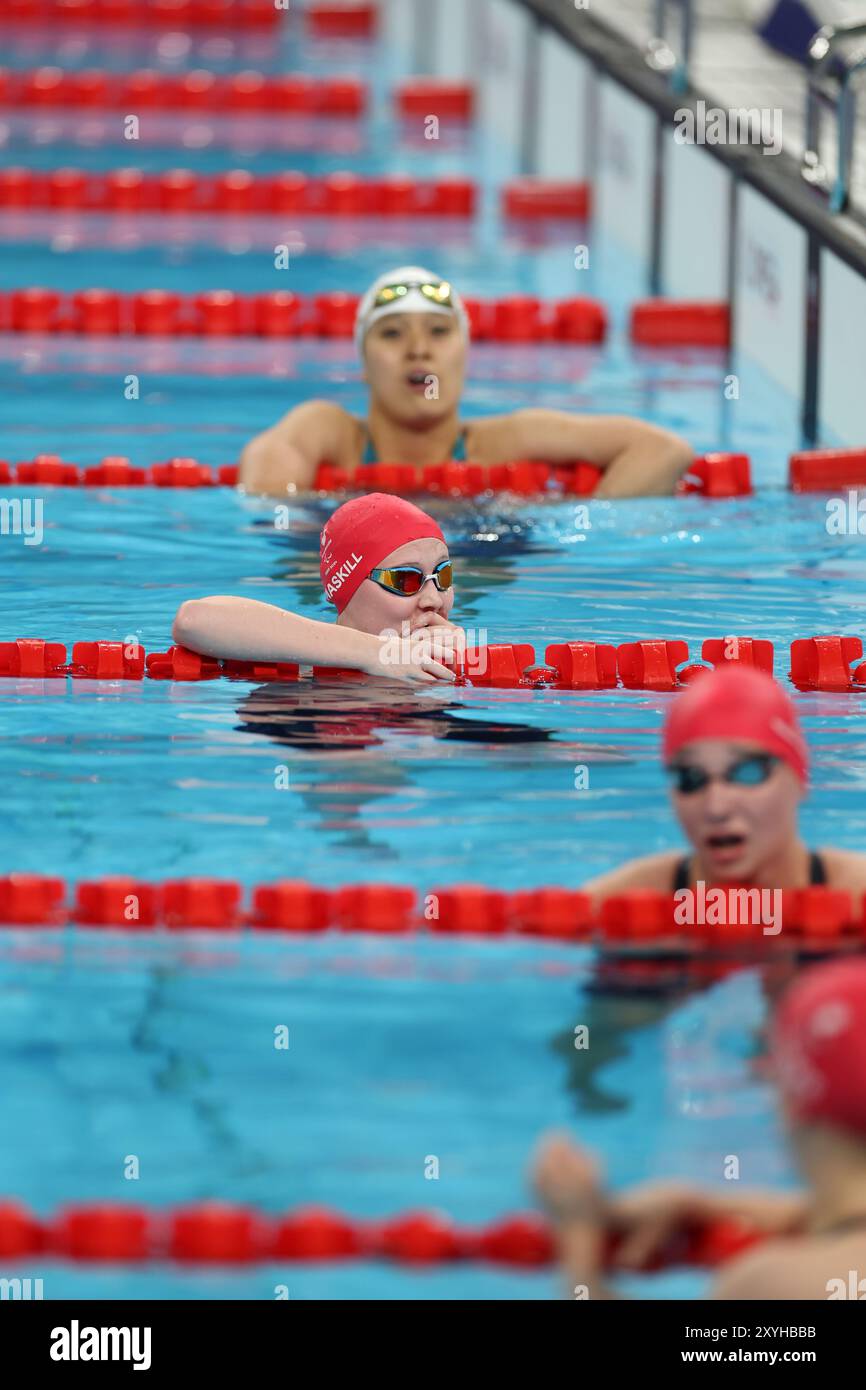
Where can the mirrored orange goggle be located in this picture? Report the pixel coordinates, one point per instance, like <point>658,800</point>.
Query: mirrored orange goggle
<point>407,580</point>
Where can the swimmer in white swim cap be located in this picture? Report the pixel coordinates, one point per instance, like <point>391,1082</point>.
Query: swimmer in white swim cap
<point>412,335</point>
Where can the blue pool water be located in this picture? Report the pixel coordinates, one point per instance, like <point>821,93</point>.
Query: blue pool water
<point>164,1048</point>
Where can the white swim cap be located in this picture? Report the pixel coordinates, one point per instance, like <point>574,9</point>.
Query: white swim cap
<point>414,301</point>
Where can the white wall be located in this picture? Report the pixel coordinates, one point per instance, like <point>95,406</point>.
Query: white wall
<point>449,53</point>
<point>622,197</point>
<point>500,45</point>
<point>397,25</point>
<point>560,150</point>
<point>695,223</point>
<point>770,282</point>
<point>842,352</point>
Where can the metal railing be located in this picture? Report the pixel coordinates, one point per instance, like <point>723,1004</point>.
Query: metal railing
<point>660,55</point>
<point>830,85</point>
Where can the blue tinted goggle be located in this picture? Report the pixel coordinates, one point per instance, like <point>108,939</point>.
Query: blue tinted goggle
<point>750,771</point>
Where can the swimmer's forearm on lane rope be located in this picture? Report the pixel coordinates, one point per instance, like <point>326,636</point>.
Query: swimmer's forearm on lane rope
<point>636,458</point>
<point>242,629</point>
<point>580,1245</point>
<point>274,468</point>
<point>651,464</point>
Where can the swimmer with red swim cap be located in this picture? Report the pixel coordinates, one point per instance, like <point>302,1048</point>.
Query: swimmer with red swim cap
<point>811,1242</point>
<point>412,335</point>
<point>386,569</point>
<point>738,764</point>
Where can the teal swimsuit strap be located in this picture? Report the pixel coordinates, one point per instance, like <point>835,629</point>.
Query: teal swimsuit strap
<point>458,453</point>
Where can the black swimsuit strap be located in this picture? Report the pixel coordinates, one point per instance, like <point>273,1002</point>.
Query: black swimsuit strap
<point>817,872</point>
<point>681,874</point>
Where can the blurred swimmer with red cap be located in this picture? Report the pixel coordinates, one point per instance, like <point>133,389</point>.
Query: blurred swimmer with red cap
<point>386,569</point>
<point>738,764</point>
<point>412,335</point>
<point>812,1245</point>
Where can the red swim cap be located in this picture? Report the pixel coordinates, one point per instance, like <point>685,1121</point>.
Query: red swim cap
<point>819,1045</point>
<point>742,704</point>
<point>361,533</point>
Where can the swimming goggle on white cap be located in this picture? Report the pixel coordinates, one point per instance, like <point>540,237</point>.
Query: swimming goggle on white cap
<point>408,290</point>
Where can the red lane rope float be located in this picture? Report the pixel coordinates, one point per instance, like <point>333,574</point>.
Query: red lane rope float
<point>824,663</point>
<point>726,920</point>
<point>237,191</point>
<point>667,323</point>
<point>161,13</point>
<point>224,1233</point>
<point>541,198</point>
<point>714,476</point>
<point>342,20</point>
<point>198,90</point>
<point>813,921</point>
<point>645,665</point>
<point>824,470</point>
<point>431,96</point>
<point>280,313</point>
<point>817,663</point>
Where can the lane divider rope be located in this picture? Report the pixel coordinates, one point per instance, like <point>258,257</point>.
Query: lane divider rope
<point>322,19</point>
<point>828,470</point>
<point>663,665</point>
<point>224,1233</point>
<point>815,919</point>
<point>237,192</point>
<point>341,193</point>
<point>515,318</point>
<point>668,323</point>
<point>713,476</point>
<point>279,313</point>
<point>26,91</point>
<point>29,91</point>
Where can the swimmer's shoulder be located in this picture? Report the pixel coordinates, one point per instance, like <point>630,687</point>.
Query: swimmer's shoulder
<point>844,869</point>
<point>654,872</point>
<point>797,1267</point>
<point>290,451</point>
<point>491,440</point>
<point>323,420</point>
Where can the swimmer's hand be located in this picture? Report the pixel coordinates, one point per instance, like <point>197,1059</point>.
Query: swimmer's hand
<point>566,1178</point>
<point>648,1218</point>
<point>447,641</point>
<point>426,655</point>
<point>568,1181</point>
